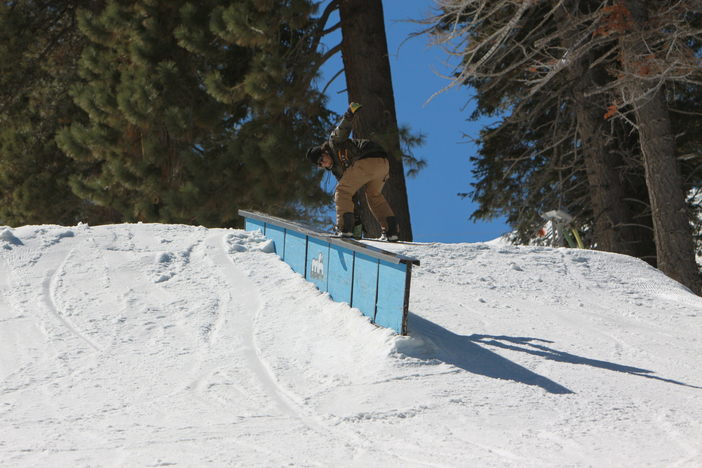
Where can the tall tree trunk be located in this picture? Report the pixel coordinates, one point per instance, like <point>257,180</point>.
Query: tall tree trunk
<point>614,227</point>
<point>364,51</point>
<point>673,234</point>
<point>607,194</point>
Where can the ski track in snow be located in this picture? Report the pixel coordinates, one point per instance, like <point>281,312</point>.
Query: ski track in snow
<point>289,403</point>
<point>158,345</point>
<point>49,287</point>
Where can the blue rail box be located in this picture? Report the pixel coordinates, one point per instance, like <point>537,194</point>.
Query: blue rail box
<point>375,281</point>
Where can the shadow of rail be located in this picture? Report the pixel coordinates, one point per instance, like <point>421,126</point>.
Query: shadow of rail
<point>472,353</point>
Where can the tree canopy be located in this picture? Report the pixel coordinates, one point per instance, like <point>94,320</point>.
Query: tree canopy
<point>162,111</point>
<point>588,93</point>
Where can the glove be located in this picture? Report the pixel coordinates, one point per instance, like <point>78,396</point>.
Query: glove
<point>353,108</point>
<point>351,111</point>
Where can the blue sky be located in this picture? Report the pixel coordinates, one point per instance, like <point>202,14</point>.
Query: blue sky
<point>438,214</point>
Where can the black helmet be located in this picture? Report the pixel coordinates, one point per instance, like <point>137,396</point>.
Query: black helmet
<point>314,153</point>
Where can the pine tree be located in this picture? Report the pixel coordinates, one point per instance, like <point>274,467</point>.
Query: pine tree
<point>39,48</point>
<point>194,109</point>
<point>516,51</point>
<point>569,159</point>
<point>642,58</point>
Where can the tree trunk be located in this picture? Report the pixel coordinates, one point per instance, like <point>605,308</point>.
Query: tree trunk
<point>615,228</point>
<point>606,189</point>
<point>367,68</point>
<point>673,234</point>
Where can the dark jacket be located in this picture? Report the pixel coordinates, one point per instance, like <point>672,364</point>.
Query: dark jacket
<point>345,151</point>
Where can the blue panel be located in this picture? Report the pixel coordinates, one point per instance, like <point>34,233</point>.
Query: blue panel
<point>295,251</point>
<point>317,262</point>
<point>254,225</point>
<point>378,288</point>
<point>365,282</point>
<point>391,295</point>
<point>340,273</point>
<point>277,235</point>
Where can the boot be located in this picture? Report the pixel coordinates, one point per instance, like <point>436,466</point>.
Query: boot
<point>391,233</point>
<point>357,226</point>
<point>346,229</point>
<point>358,231</point>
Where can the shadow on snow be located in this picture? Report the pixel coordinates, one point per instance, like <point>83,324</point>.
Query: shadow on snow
<point>471,353</point>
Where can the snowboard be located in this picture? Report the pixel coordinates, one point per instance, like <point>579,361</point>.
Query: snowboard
<point>373,239</point>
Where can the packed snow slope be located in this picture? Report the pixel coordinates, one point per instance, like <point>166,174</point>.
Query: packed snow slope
<point>162,345</point>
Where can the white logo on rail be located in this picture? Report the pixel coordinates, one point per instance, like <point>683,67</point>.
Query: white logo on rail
<point>318,267</point>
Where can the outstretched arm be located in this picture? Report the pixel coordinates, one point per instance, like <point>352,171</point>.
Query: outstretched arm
<point>343,130</point>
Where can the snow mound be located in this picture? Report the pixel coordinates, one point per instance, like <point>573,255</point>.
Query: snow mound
<point>249,240</point>
<point>7,239</point>
<point>155,345</point>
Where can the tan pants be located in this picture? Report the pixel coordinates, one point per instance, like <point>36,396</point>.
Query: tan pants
<point>371,172</point>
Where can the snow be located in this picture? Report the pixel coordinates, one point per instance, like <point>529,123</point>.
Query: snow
<point>163,345</point>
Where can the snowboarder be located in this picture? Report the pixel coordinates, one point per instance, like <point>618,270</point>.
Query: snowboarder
<point>356,163</point>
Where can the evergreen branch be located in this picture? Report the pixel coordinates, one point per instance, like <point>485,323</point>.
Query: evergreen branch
<point>319,30</point>
<point>324,91</point>
<point>327,55</point>
<point>332,29</point>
